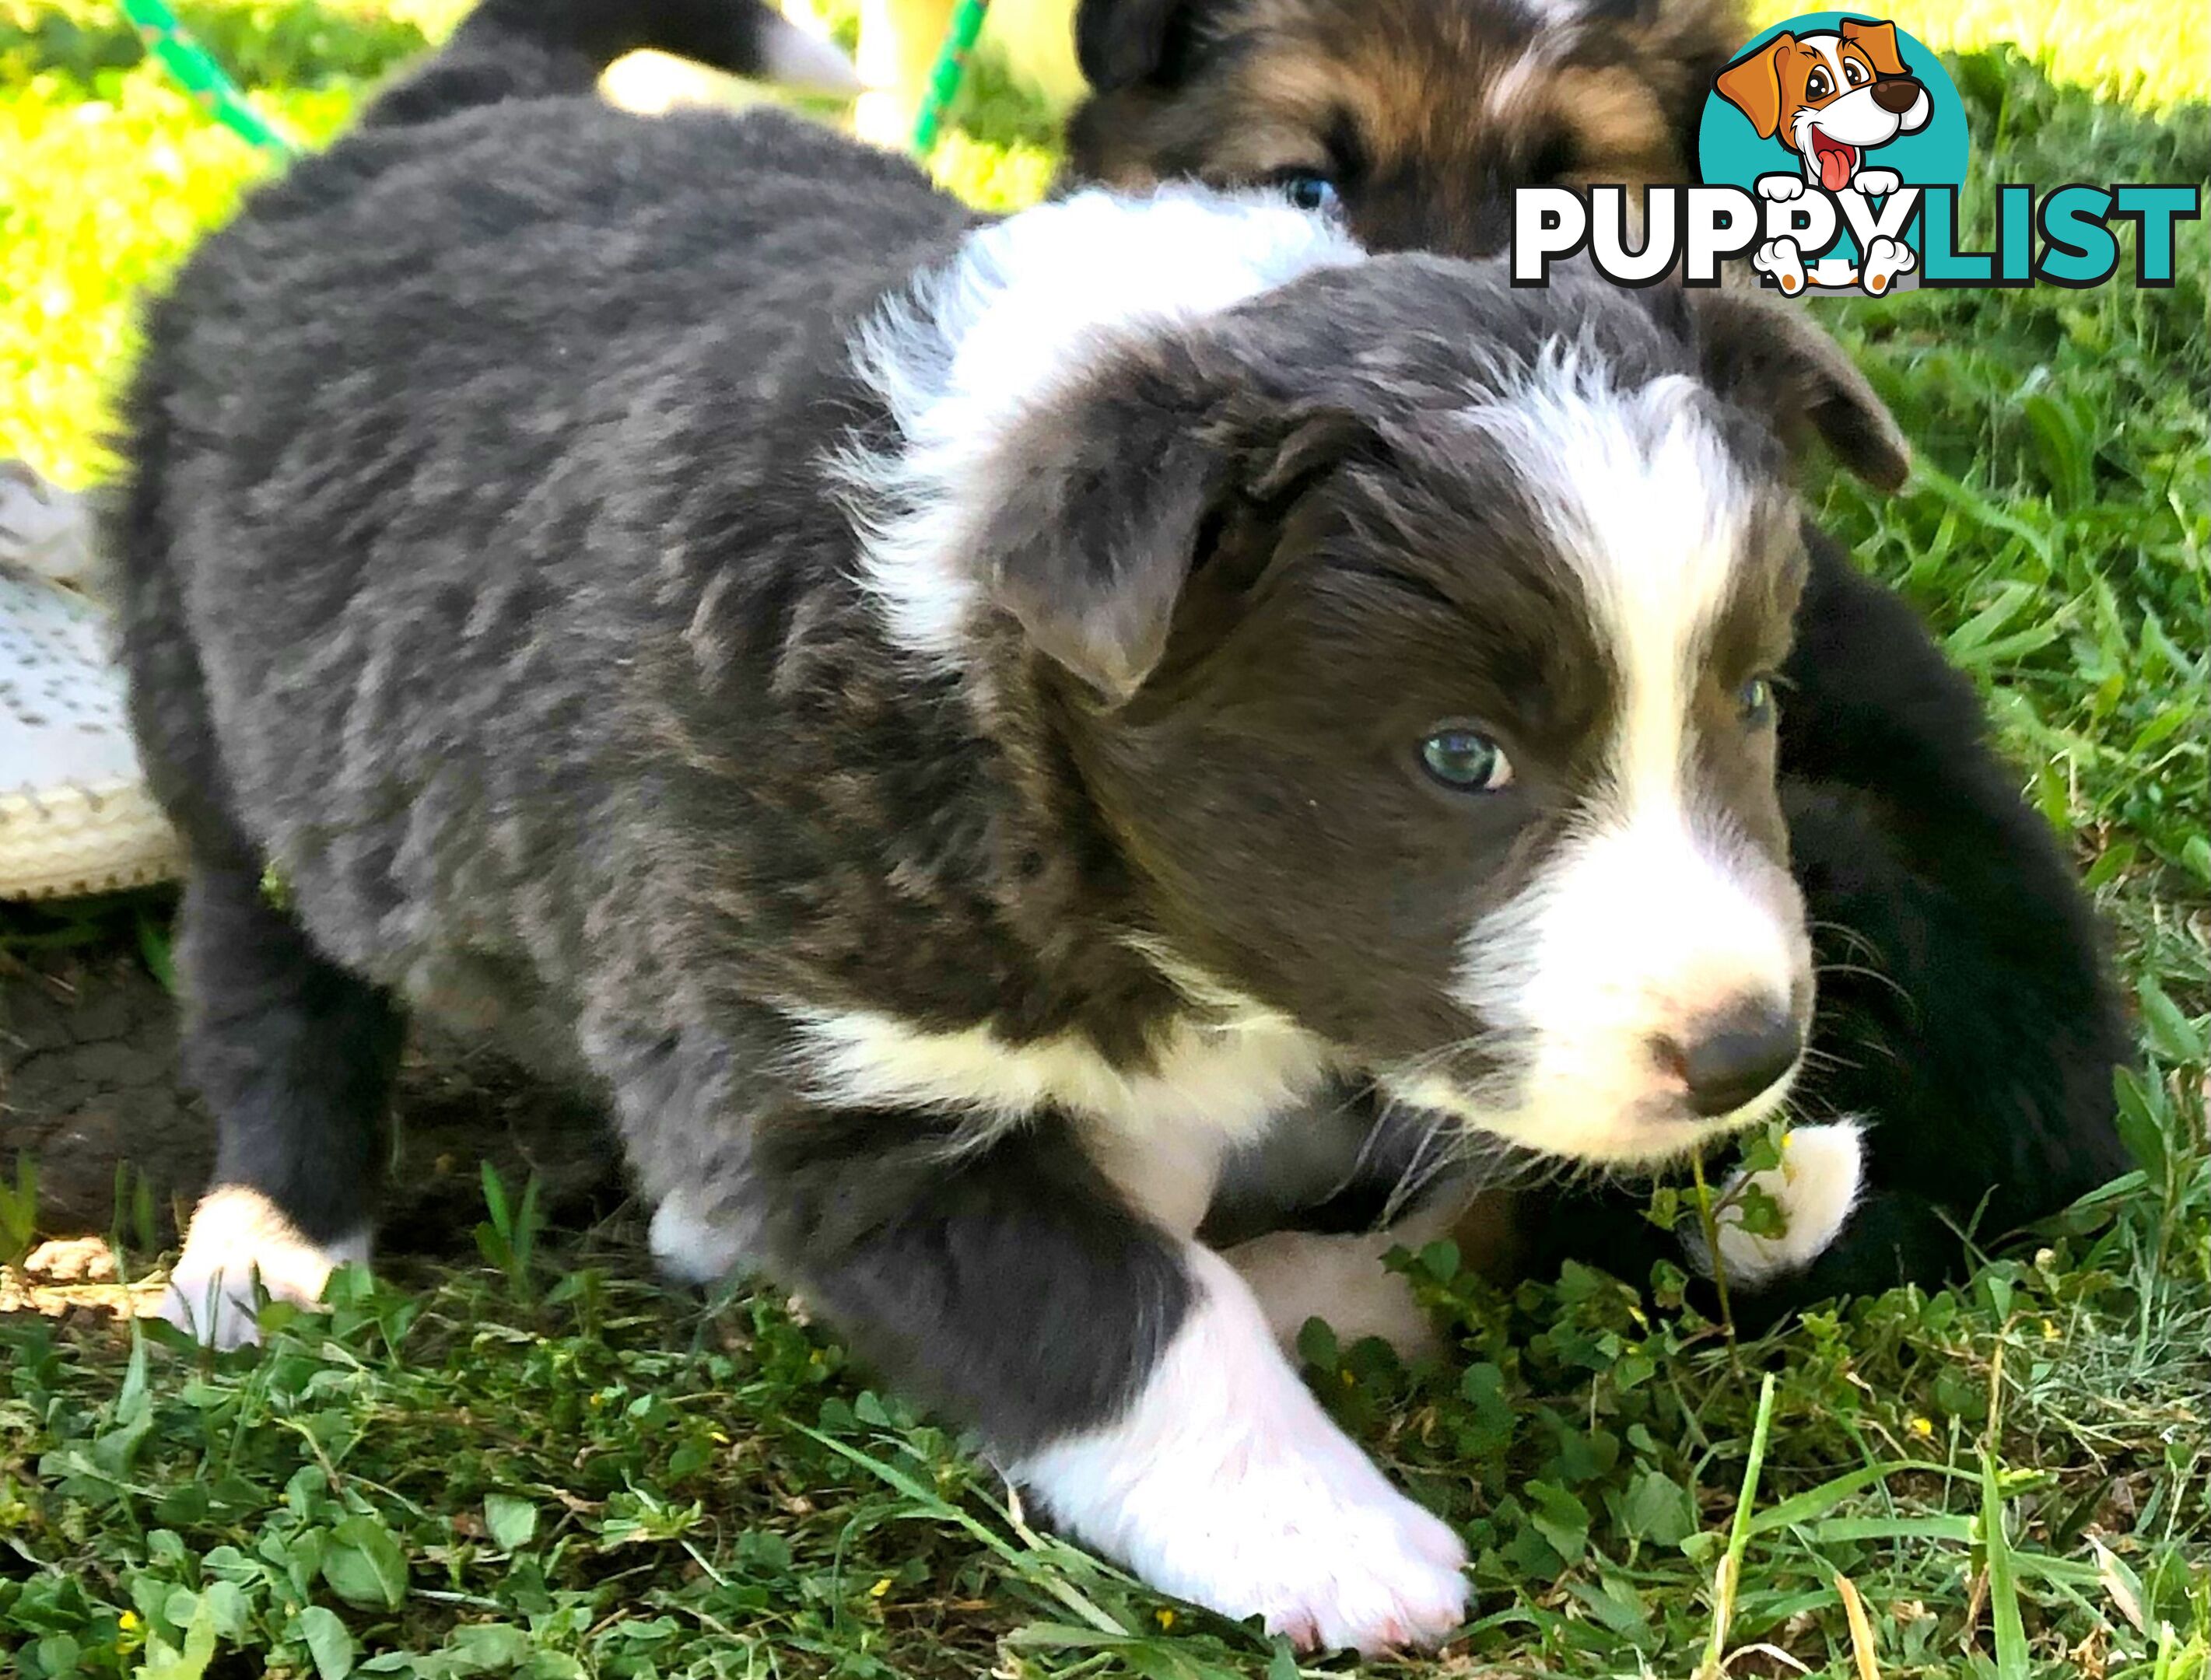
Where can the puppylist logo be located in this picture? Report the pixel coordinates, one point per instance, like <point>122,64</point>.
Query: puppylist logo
<point>1833,150</point>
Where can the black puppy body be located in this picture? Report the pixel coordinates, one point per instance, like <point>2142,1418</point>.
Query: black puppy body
<point>952,729</point>
<point>1966,1019</point>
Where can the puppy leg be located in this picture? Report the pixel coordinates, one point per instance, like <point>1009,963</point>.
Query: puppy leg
<point>694,1241</point>
<point>296,1057</point>
<point>1339,1278</point>
<point>898,44</point>
<point>1128,1379</point>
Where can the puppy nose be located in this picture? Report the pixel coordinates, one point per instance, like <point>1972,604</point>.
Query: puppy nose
<point>1896,94</point>
<point>1733,1059</point>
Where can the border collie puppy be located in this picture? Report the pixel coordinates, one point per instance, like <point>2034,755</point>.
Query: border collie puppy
<point>1965,1021</point>
<point>952,727</point>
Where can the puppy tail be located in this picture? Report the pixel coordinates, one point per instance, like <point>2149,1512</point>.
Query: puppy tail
<point>549,49</point>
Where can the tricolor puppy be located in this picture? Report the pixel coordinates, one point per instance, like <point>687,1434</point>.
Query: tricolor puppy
<point>1413,120</point>
<point>1442,104</point>
<point>1831,97</point>
<point>952,727</point>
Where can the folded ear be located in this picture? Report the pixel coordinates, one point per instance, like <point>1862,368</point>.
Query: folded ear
<point>1106,501</point>
<point>1879,40</point>
<point>1121,42</point>
<point>1097,511</point>
<point>1767,358</point>
<point>1753,84</point>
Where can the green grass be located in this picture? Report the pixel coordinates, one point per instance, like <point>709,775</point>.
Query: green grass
<point>547,1466</point>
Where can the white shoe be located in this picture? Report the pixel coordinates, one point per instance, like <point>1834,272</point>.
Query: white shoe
<point>75,815</point>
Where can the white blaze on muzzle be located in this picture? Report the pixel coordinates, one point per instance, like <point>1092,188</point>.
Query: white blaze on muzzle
<point>1655,917</point>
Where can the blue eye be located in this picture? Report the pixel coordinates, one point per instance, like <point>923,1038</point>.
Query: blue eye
<point>1307,188</point>
<point>1466,761</point>
<point>1755,697</point>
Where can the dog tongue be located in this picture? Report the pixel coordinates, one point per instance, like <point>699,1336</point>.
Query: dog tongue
<point>1834,167</point>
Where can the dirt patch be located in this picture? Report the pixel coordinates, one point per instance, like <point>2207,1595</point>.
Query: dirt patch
<point>88,1083</point>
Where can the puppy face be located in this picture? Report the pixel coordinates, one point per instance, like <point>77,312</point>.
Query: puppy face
<point>1829,97</point>
<point>1460,751</point>
<point>1410,636</point>
<point>1416,118</point>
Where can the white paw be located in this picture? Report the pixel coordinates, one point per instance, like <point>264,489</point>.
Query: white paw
<point>1877,182</point>
<point>1226,1483</point>
<point>1780,188</point>
<point>1301,1275</point>
<point>1781,259</point>
<point>241,1250</point>
<point>1817,1183</point>
<point>1885,258</point>
<point>691,1246</point>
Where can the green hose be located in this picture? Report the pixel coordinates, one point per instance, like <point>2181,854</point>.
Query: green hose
<point>945,77</point>
<point>171,45</point>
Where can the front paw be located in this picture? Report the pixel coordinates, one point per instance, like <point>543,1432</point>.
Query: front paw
<point>1343,1279</point>
<point>1226,1484</point>
<point>1816,1186</point>
<point>1877,182</point>
<point>699,1243</point>
<point>1780,188</point>
<point>239,1251</point>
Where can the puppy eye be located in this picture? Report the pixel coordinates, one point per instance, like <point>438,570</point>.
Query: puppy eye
<point>1466,761</point>
<point>1755,699</point>
<point>1854,72</point>
<point>1816,86</point>
<point>1307,188</point>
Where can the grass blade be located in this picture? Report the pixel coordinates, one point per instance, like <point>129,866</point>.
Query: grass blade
<point>1854,1612</point>
<point>1730,1569</point>
<point>2003,1579</point>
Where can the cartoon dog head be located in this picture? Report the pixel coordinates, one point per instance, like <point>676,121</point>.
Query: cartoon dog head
<point>1829,97</point>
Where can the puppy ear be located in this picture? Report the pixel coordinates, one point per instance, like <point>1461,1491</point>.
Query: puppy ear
<point>1120,42</point>
<point>1107,506</point>
<point>1093,529</point>
<point>1753,84</point>
<point>1767,358</point>
<point>1879,42</point>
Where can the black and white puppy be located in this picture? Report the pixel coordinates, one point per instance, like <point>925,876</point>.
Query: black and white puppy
<point>1962,1053</point>
<point>953,727</point>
